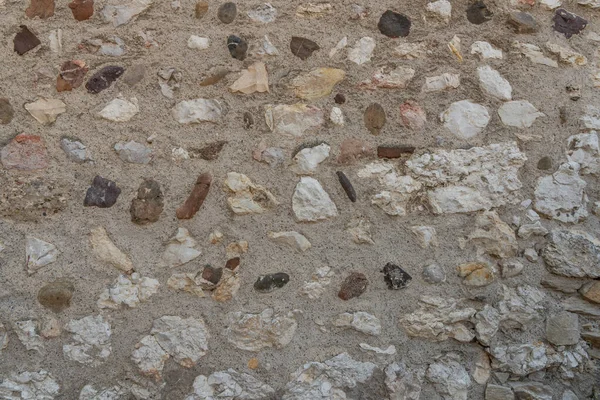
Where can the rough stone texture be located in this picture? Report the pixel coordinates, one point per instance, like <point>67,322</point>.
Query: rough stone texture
<point>572,253</point>
<point>562,195</point>
<point>229,384</point>
<point>247,197</point>
<point>311,202</point>
<point>449,377</point>
<point>25,152</point>
<point>90,343</point>
<point>30,385</point>
<point>148,205</point>
<point>563,329</point>
<point>254,332</point>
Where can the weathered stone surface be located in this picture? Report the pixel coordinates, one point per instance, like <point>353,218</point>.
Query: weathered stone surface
<point>32,198</point>
<point>180,249</point>
<point>198,43</point>
<point>395,277</point>
<point>311,203</point>
<point>38,254</point>
<point>561,195</point>
<point>374,118</point>
<point>25,41</point>
<point>308,159</point>
<point>465,119</point>
<point>567,23</point>
<point>318,283</point>
<point>25,152</point>
<point>229,385</point>
<point>389,77</point>
<point>198,110</point>
<point>519,114</point>
<point>564,285</point>
<point>572,253</point>
<point>56,295</point>
<point>485,50</point>
<point>434,273</point>
<point>393,24</point>
<point>317,83</point>
<point>362,51</point>
<point>268,283</point>
<point>566,54</point>
<point>426,234</point>
<point>253,80</point>
<point>360,321</point>
<point>28,333</point>
<point>122,13</point>
<point>476,274</point>
<point>71,76</point>
<point>247,197</point>
<point>413,116</point>
<point>494,236</point>
<point>106,250</point>
<point>519,359</point>
<point>478,13</point>
<point>511,268</point>
<point>209,152</point>
<point>103,193</point>
<point>585,150</point>
<point>353,286</point>
<point>441,82</point>
<point>88,392</point>
<point>30,385</point>
<point>302,47</point>
<point>196,198</point>
<point>404,383</point>
<point>312,10</point>
<point>562,329</point>
<point>40,8</point>
<point>521,307</point>
<point>263,13</point>
<point>449,377</point>
<point>576,304</point>
<point>128,290</point>
<point>534,54</point>
<point>522,22</point>
<point>148,205</point>
<point>591,291</point>
<point>497,392</point>
<point>227,12</point>
<point>75,150</point>
<point>105,77</point>
<point>237,47</point>
<point>90,343</point>
<point>254,332</point>
<point>352,150</point>
<point>532,390</point>
<point>294,120</point>
<point>292,239</point>
<point>120,110</point>
<point>133,152</point>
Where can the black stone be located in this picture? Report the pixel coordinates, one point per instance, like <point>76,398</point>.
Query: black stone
<point>396,277</point>
<point>394,25</point>
<point>237,47</point>
<point>478,13</point>
<point>268,283</point>
<point>103,193</point>
<point>25,41</point>
<point>339,98</point>
<point>347,185</point>
<point>302,47</point>
<point>227,12</point>
<point>104,78</point>
<point>567,23</point>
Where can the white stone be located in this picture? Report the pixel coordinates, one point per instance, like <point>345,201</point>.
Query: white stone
<point>362,50</point>
<point>106,250</point>
<point>520,360</point>
<point>149,357</point>
<point>485,50</point>
<point>254,332</point>
<point>198,110</point>
<point>584,150</point>
<point>511,268</point>
<point>247,197</point>
<point>441,9</point>
<point>198,42</point>
<point>128,290</point>
<point>133,152</point>
<point>449,377</point>
<point>55,39</point>
<point>521,307</point>
<point>292,239</point>
<point>566,54</point>
<point>308,159</point>
<point>179,154</point>
<point>592,118</point>
<point>113,46</point>
<point>88,392</point>
<point>493,84</point>
<point>337,116</point>
<point>315,288</point>
<point>561,195</point>
<point>311,202</point>
<point>572,253</point>
<point>404,383</point>
<point>441,82</point>
<point>426,234</point>
<point>75,150</point>
<point>339,46</point>
<point>263,13</point>
<point>465,119</point>
<point>294,119</point>
<point>121,14</point>
<point>360,321</point>
<point>28,333</point>
<point>229,385</point>
<point>180,249</point>
<point>534,54</point>
<point>389,77</point>
<point>519,113</point>
<point>531,255</point>
<point>120,110</point>
<point>482,368</point>
<point>360,229</point>
<point>267,48</point>
<point>38,254</point>
<point>326,381</point>
<point>527,230</point>
<point>411,51</point>
<point>45,111</point>
<point>29,386</point>
<point>550,4</point>
<point>90,343</point>
<point>390,350</point>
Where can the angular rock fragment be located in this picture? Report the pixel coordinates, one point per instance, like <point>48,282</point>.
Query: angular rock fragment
<point>38,254</point>
<point>40,8</point>
<point>511,268</point>
<point>494,236</point>
<point>519,359</point>
<point>395,277</point>
<point>30,385</point>
<point>302,47</point>
<point>210,151</point>
<point>3,340</point>
<point>478,13</point>
<point>393,24</point>
<point>318,283</point>
<point>102,79</point>
<point>566,54</point>
<point>254,332</point>
<point>45,111</point>
<point>90,343</point>
<point>82,9</point>
<point>229,384</point>
<point>148,205</point>
<point>28,333</point>
<point>103,193</point>
<point>308,159</point>
<point>426,234</point>
<point>450,379</point>
<point>585,150</point>
<point>359,321</point>
<point>412,115</point>
<point>198,43</point>
<point>534,54</point>
<point>266,48</point>
<point>122,13</point>
<point>572,253</point>
<point>180,249</point>
<point>293,119</point>
<point>411,51</point>
<point>263,13</point>
<point>520,307</point>
<point>317,83</point>
<point>198,110</point>
<point>562,329</point>
<point>522,22</point>
<point>493,84</point>
<point>71,75</point>
<point>247,197</point>
<point>391,349</point>
<point>106,250</point>
<point>227,12</point>
<point>374,118</point>
<point>292,239</point>
<point>252,80</point>
<point>362,50</point>
<point>311,10</point>
<point>88,392</point>
<point>268,283</point>
<point>485,50</point>
<point>112,46</point>
<point>567,23</point>
<point>562,195</point>
<point>519,113</point>
<point>440,9</point>
<point>591,291</point>
<point>56,295</point>
<point>230,283</point>
<point>403,382</point>
<point>441,82</point>
<point>120,110</point>
<point>196,197</point>
<point>133,152</point>
<point>465,119</point>
<point>6,111</point>
<point>353,286</point>
<point>129,290</point>
<point>311,202</point>
<point>25,40</point>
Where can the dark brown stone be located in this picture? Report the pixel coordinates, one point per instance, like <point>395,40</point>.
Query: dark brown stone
<point>545,163</point>
<point>347,186</point>
<point>339,98</point>
<point>213,275</point>
<point>227,12</point>
<point>201,9</point>
<point>6,111</point>
<point>353,286</point>
<point>196,198</point>
<point>82,9</point>
<point>302,47</point>
<point>40,8</point>
<point>56,295</point>
<point>71,75</point>
<point>232,263</point>
<point>374,118</point>
<point>25,41</point>
<point>209,152</point>
<point>393,24</point>
<point>568,23</point>
<point>103,193</point>
<point>478,13</point>
<point>394,151</point>
<point>148,205</point>
<point>237,47</point>
<point>215,76</point>
<point>104,78</point>
<point>522,22</point>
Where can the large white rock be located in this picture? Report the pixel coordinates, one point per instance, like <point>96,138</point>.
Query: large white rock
<point>106,250</point>
<point>493,84</point>
<point>360,321</point>
<point>519,113</point>
<point>120,110</point>
<point>362,50</point>
<point>45,111</point>
<point>38,254</point>
<point>441,9</point>
<point>465,119</point>
<point>247,197</point>
<point>128,290</point>
<point>29,386</point>
<point>591,119</point>
<point>120,14</point>
<point>562,195</point>
<point>308,159</point>
<point>519,359</point>
<point>293,119</point>
<point>449,377</point>
<point>311,202</point>
<point>292,239</point>
<point>180,249</point>
<point>572,253</point>
<point>254,332</point>
<point>584,150</point>
<point>90,343</point>
<point>198,110</point>
<point>229,385</point>
<point>441,82</point>
<point>485,50</point>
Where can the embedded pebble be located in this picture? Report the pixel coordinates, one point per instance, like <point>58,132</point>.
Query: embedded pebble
<point>374,118</point>
<point>227,12</point>
<point>148,205</point>
<point>393,24</point>
<point>347,186</point>
<point>6,111</point>
<point>196,198</point>
<point>478,13</point>
<point>268,283</point>
<point>25,41</point>
<point>102,79</point>
<point>353,286</point>
<point>133,152</point>
<point>82,9</point>
<point>395,277</point>
<point>71,75</point>
<point>56,295</point>
<point>302,47</point>
<point>103,193</point>
<point>567,23</point>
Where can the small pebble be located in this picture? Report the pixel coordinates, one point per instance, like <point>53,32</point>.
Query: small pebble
<point>545,163</point>
<point>339,98</point>
<point>374,118</point>
<point>270,282</point>
<point>56,295</point>
<point>394,25</point>
<point>103,193</point>
<point>347,185</point>
<point>394,151</point>
<point>201,9</point>
<point>104,78</point>
<point>395,277</point>
<point>212,275</point>
<point>75,150</point>
<point>82,9</point>
<point>25,41</point>
<point>196,198</point>
<point>6,111</point>
<point>148,205</point>
<point>478,13</point>
<point>232,263</point>
<point>227,12</point>
<point>302,47</point>
<point>353,286</point>
<point>522,22</point>
<point>433,273</point>
<point>237,47</point>
<point>567,23</point>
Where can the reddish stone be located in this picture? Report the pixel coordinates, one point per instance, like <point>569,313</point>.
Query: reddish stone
<point>213,275</point>
<point>25,41</point>
<point>40,8</point>
<point>82,9</point>
<point>196,198</point>
<point>353,286</point>
<point>232,263</point>
<point>353,149</point>
<point>71,75</point>
<point>394,151</point>
<point>413,116</point>
<point>25,152</point>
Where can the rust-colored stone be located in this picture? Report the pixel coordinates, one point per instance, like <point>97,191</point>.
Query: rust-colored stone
<point>82,9</point>
<point>233,263</point>
<point>213,275</point>
<point>196,198</point>
<point>352,150</point>
<point>40,8</point>
<point>394,151</point>
<point>353,286</point>
<point>71,75</point>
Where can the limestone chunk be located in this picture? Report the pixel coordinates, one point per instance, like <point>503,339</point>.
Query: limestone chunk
<point>311,10</point>
<point>360,229</point>
<point>359,321</point>
<point>411,51</point>
<point>90,343</point>
<point>450,379</point>
<point>120,110</point>
<point>311,202</point>
<point>566,55</point>
<point>317,83</point>
<point>88,392</point>
<point>519,114</point>
<point>228,286</point>
<point>254,332</point>
<point>388,77</point>
<point>572,253</point>
<point>487,323</point>
<point>362,50</point>
<point>521,307</point>
<point>441,9</point>
<point>198,43</point>
<point>150,357</point>
<point>292,239</point>
<point>29,385</point>
<point>476,274</point>
<point>308,159</point>
<point>133,152</point>
<point>28,333</point>
<point>426,234</point>
<point>493,84</point>
<point>337,116</point>
<point>106,250</point>
<point>465,119</point>
<point>263,13</point>
<point>247,197</point>
<point>318,283</point>
<point>191,283</point>
<point>198,110</point>
<point>122,13</point>
<point>562,195</point>
<point>534,54</point>
<point>45,111</point>
<point>511,268</point>
<point>229,385</point>
<point>527,230</point>
<point>294,119</point>
<point>494,236</point>
<point>253,80</point>
<point>562,329</point>
<point>441,82</point>
<point>341,44</point>
<point>75,150</point>
<point>38,254</point>
<point>485,50</point>
<point>519,359</point>
<point>584,150</point>
<point>128,290</point>
<point>180,249</point>
<point>402,382</point>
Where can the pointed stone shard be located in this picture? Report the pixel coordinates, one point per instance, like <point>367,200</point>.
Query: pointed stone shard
<point>220,384</point>
<point>72,74</point>
<point>519,113</point>
<point>252,80</point>
<point>45,111</point>
<point>441,82</point>
<point>180,249</point>
<point>106,250</point>
<point>317,83</point>
<point>311,203</point>
<point>39,254</point>
<point>308,159</point>
<point>465,119</point>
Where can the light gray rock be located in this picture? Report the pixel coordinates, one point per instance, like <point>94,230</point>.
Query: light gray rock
<point>493,84</point>
<point>229,385</point>
<point>534,229</point>
<point>487,323</point>
<point>38,254</point>
<point>402,382</point>
<point>572,253</point>
<point>561,195</point>
<point>181,248</point>
<point>569,395</point>
<point>198,110</point>
<point>75,150</point>
<point>133,152</point>
<point>88,392</point>
<point>307,160</point>
<point>511,268</point>
<point>519,359</point>
<point>519,114</point>
<point>122,13</point>
<point>521,307</point>
<point>494,236</point>
<point>578,305</point>
<point>120,110</point>
<point>128,290</point>
<point>465,119</point>
<point>90,343</point>
<point>359,321</point>
<point>246,197</point>
<point>565,285</point>
<point>496,392</point>
<point>29,386</point>
<point>585,150</point>
<point>28,332</point>
<point>562,329</point>
<point>311,202</point>
<point>450,379</point>
<point>434,273</point>
<point>254,332</point>
<point>530,255</point>
<point>532,390</point>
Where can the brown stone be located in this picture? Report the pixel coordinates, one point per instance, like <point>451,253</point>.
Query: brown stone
<point>148,205</point>
<point>227,12</point>
<point>40,8</point>
<point>253,363</point>
<point>374,118</point>
<point>522,22</point>
<point>196,198</point>
<point>82,9</point>
<point>25,41</point>
<point>72,74</point>
<point>353,286</point>
<point>412,115</point>
<point>209,152</point>
<point>394,151</point>
<point>233,263</point>
<point>6,111</point>
<point>214,76</point>
<point>302,47</point>
<point>56,295</point>
<point>213,275</point>
<point>339,98</point>
<point>591,291</point>
<point>352,150</point>
<point>201,9</point>
<point>25,152</point>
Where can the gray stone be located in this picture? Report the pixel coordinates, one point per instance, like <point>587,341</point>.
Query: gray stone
<point>434,273</point>
<point>578,305</point>
<point>565,285</point>
<point>511,268</point>
<point>532,391</point>
<point>133,152</point>
<point>450,379</point>
<point>563,329</point>
<point>75,150</point>
<point>496,392</point>
<point>522,22</point>
<point>572,253</point>
<point>569,395</point>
